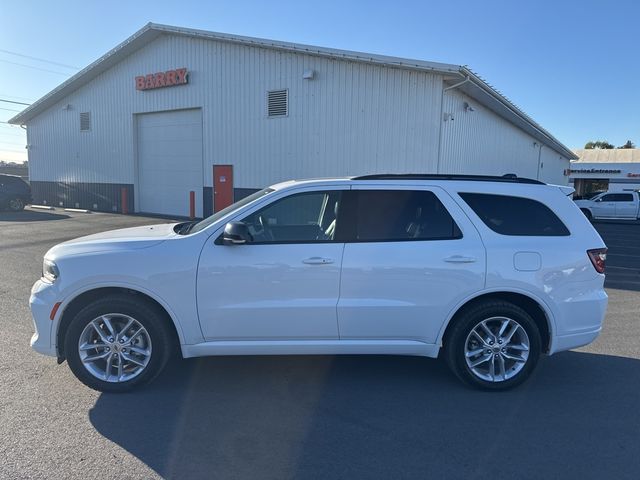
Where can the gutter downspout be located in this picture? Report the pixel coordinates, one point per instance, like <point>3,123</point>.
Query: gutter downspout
<point>455,85</point>
<point>26,131</point>
<point>539,155</point>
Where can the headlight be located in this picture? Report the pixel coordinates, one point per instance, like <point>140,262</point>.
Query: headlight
<point>50,272</point>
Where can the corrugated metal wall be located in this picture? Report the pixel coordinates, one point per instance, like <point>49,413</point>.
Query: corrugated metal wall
<point>352,118</point>
<point>477,141</point>
<point>553,167</point>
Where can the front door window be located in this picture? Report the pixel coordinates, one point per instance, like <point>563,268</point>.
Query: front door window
<point>303,218</point>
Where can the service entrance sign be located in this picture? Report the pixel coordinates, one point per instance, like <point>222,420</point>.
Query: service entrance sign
<point>179,76</point>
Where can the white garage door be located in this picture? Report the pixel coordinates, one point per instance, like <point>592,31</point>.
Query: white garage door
<point>170,162</point>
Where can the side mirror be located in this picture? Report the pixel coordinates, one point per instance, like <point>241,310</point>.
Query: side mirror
<point>236,233</point>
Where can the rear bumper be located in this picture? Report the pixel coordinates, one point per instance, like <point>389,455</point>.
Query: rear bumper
<point>567,342</point>
<point>581,321</point>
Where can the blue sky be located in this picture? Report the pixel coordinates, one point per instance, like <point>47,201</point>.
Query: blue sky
<point>574,66</point>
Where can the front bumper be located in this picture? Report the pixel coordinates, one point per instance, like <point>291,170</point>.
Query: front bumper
<point>42,299</point>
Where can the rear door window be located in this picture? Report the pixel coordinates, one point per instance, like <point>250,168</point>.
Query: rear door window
<point>617,197</point>
<point>519,216</point>
<point>622,197</point>
<point>401,215</point>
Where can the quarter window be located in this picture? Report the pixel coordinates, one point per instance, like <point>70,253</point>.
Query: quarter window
<point>302,218</point>
<point>518,216</point>
<point>402,215</point>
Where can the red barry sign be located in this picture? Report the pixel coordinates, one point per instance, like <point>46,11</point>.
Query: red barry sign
<point>162,79</point>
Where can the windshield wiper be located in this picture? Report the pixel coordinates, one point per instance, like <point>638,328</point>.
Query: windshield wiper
<point>184,228</point>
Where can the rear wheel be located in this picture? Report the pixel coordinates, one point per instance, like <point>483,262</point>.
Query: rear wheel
<point>493,346</point>
<point>16,204</point>
<point>587,213</point>
<point>117,343</point>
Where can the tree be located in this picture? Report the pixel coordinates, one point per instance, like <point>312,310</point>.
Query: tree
<point>599,144</point>
<point>629,144</point>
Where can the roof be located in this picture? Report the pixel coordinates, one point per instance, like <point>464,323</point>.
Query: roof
<point>474,86</point>
<point>604,155</point>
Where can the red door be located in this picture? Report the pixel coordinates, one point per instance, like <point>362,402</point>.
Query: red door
<point>222,186</point>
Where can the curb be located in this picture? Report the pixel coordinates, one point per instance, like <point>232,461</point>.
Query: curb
<point>77,210</point>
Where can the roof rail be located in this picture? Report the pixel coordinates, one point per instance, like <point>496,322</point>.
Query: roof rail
<point>508,178</point>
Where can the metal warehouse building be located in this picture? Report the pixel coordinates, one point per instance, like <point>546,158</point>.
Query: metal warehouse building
<point>171,111</point>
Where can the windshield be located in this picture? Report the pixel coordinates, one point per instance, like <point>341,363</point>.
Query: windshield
<point>225,211</point>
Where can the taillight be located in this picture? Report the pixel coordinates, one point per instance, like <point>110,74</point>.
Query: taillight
<point>598,257</point>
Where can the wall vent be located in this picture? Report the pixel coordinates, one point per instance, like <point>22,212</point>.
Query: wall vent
<point>85,121</point>
<point>278,103</point>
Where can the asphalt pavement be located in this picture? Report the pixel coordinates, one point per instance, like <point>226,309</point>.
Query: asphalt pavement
<point>315,417</point>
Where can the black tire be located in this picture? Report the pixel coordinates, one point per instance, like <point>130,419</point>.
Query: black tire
<point>149,316</point>
<point>456,338</point>
<point>587,214</point>
<point>16,204</point>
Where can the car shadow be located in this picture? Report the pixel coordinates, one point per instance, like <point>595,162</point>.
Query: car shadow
<point>615,222</point>
<point>30,216</point>
<point>378,417</point>
<point>630,281</point>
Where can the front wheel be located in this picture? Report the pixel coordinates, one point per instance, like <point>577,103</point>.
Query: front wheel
<point>16,205</point>
<point>493,346</point>
<point>587,214</point>
<point>117,343</point>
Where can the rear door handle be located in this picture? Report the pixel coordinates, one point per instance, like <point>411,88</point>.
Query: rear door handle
<point>317,261</point>
<point>459,259</point>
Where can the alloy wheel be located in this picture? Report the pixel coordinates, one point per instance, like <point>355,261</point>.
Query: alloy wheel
<point>114,347</point>
<point>497,349</point>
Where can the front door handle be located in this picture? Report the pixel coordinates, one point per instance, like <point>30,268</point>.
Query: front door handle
<point>459,259</point>
<point>317,261</point>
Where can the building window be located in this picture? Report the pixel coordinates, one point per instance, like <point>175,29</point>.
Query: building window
<point>278,103</point>
<point>85,121</point>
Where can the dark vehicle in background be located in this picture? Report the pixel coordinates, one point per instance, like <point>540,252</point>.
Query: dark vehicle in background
<point>15,193</point>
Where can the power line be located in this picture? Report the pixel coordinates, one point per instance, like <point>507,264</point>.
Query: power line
<point>10,109</point>
<point>16,97</point>
<point>12,101</point>
<point>12,143</point>
<point>35,68</point>
<point>38,59</point>
<point>2,149</point>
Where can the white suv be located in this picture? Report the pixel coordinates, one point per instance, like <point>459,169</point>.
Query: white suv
<point>488,272</point>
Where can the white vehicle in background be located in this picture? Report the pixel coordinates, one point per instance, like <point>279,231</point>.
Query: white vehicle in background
<point>488,272</point>
<point>612,205</point>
